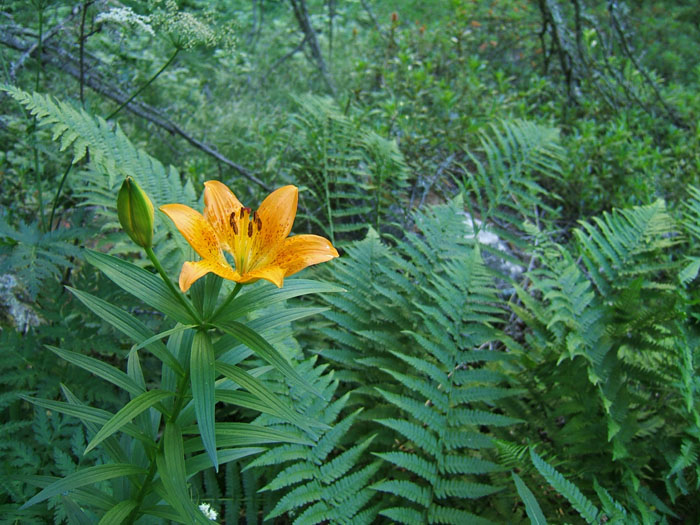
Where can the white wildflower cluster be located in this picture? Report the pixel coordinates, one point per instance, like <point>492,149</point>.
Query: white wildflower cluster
<point>208,512</point>
<point>125,16</point>
<point>187,31</point>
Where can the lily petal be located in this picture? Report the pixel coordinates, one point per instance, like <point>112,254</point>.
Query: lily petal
<point>274,274</point>
<point>219,203</point>
<point>277,214</point>
<point>196,231</point>
<point>191,271</point>
<point>301,251</point>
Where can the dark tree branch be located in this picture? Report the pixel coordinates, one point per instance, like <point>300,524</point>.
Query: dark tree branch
<point>70,64</point>
<point>301,13</point>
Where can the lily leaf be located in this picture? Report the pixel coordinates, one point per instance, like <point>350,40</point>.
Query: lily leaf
<point>266,351</point>
<point>86,476</point>
<point>132,409</point>
<point>142,284</point>
<point>203,375</point>
<point>129,325</point>
<point>100,369</point>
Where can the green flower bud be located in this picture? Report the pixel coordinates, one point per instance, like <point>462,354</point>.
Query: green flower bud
<point>135,212</point>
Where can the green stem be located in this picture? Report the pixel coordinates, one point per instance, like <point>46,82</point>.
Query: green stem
<point>188,306</point>
<point>228,300</point>
<point>150,81</point>
<point>143,491</point>
<point>58,194</point>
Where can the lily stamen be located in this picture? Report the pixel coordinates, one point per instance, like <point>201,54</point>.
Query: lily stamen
<point>268,254</point>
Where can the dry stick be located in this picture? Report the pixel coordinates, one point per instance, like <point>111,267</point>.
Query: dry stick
<point>62,59</point>
<point>625,47</point>
<point>302,15</point>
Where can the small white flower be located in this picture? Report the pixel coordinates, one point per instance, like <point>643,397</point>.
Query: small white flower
<point>124,15</point>
<point>208,512</point>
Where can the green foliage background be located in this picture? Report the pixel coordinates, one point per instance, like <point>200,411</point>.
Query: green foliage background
<point>555,381</point>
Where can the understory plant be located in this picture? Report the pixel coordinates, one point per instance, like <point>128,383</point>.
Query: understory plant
<point>169,430</point>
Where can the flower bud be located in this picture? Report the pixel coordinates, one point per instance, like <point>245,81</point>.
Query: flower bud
<point>135,212</point>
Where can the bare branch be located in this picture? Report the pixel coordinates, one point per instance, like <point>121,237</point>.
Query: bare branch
<point>65,61</point>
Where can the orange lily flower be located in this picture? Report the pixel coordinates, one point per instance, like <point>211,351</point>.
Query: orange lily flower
<point>257,241</point>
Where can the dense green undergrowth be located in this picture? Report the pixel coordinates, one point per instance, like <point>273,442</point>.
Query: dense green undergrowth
<point>551,377</point>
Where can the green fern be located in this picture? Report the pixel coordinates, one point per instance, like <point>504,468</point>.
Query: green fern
<point>34,256</point>
<point>112,158</point>
<point>326,481</point>
<point>351,175</point>
<point>508,184</point>
<point>418,343</point>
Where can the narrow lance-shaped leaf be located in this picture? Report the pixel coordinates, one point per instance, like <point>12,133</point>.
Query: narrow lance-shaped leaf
<point>129,325</point>
<point>86,476</point>
<point>142,284</point>
<point>203,375</point>
<point>259,390</point>
<point>266,351</point>
<point>100,369</point>
<point>531,506</point>
<point>132,409</point>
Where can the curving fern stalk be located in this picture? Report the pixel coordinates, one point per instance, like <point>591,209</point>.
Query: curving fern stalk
<point>510,174</point>
<point>112,158</point>
<point>352,175</point>
<point>326,481</point>
<point>607,314</point>
<point>418,344</point>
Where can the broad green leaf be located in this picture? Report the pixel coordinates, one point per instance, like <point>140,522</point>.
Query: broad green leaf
<point>174,477</point>
<point>531,506</point>
<point>256,387</point>
<point>203,375</point>
<point>129,325</point>
<point>200,462</point>
<point>86,413</point>
<point>142,284</point>
<point>147,424</point>
<point>118,513</point>
<point>164,512</point>
<point>266,351</point>
<point>100,369</point>
<point>264,295</point>
<point>181,502</point>
<point>85,495</point>
<point>86,476</point>
<point>76,515</point>
<point>242,435</point>
<point>132,409</point>
<point>228,348</point>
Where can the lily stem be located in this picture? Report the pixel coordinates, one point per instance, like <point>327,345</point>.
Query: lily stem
<point>228,300</point>
<point>143,491</point>
<point>188,306</point>
<point>148,83</point>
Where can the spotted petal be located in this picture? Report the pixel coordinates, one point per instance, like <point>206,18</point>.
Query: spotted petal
<point>191,271</point>
<point>301,251</point>
<point>277,213</point>
<point>219,204</point>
